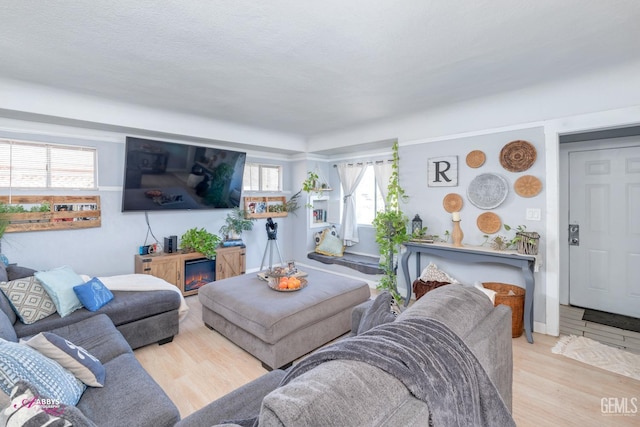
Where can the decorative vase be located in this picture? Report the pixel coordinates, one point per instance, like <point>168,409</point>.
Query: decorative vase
<point>457,234</point>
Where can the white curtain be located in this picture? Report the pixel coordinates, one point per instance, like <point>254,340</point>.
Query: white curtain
<point>383,171</point>
<point>350,176</point>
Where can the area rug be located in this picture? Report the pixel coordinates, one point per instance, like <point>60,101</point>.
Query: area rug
<point>597,354</point>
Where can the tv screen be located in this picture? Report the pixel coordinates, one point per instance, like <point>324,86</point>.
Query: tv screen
<point>167,176</point>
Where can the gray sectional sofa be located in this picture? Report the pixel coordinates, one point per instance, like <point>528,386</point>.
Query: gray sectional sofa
<point>130,397</point>
<point>329,389</point>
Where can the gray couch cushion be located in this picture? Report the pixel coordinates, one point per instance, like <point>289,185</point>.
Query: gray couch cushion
<point>5,306</point>
<point>6,328</point>
<point>3,272</point>
<point>459,307</point>
<point>16,272</point>
<point>338,393</point>
<point>98,336</point>
<point>130,397</point>
<point>128,306</point>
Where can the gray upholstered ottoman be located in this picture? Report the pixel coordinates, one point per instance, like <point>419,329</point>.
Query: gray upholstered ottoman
<point>279,327</point>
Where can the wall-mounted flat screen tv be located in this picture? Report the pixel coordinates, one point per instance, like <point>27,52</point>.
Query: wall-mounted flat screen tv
<point>168,176</point>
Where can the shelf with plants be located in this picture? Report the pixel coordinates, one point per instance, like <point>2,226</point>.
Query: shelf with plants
<point>39,213</point>
<point>265,207</point>
<point>314,184</point>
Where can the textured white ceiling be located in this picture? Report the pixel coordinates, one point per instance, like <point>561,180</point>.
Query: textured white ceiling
<point>308,67</point>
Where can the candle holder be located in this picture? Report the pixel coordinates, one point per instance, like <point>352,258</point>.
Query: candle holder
<point>457,234</point>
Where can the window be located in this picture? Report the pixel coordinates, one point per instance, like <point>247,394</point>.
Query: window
<point>259,177</point>
<point>368,198</point>
<point>40,165</point>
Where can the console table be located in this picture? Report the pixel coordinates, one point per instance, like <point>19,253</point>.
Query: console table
<point>474,254</point>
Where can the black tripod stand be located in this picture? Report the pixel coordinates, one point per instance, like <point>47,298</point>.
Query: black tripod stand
<point>272,241</point>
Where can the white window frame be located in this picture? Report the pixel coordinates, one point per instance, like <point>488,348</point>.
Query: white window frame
<point>260,167</point>
<point>8,164</point>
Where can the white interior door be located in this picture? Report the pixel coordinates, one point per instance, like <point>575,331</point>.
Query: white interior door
<point>604,201</point>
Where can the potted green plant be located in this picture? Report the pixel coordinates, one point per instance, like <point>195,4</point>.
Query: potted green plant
<point>235,223</point>
<point>310,184</point>
<point>291,205</point>
<point>391,231</point>
<point>200,240</point>
<point>525,242</point>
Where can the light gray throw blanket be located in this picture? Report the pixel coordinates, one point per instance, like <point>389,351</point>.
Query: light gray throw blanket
<point>433,363</point>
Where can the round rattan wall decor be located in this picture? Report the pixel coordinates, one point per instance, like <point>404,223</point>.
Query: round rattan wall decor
<point>527,186</point>
<point>452,202</point>
<point>518,156</point>
<point>489,223</point>
<point>476,158</point>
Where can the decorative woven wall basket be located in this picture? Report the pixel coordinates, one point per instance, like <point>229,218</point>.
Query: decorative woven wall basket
<point>528,243</point>
<point>518,156</point>
<point>511,296</point>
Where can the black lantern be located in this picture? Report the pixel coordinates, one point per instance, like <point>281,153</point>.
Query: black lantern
<point>416,225</point>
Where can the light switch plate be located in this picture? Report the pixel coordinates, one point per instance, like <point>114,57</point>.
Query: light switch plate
<point>533,214</point>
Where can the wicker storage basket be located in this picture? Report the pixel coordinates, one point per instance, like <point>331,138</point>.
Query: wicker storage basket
<point>515,301</point>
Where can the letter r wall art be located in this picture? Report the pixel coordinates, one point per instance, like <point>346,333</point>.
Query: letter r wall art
<point>443,171</point>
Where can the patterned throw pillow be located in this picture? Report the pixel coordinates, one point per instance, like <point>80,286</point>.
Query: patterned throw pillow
<point>29,299</point>
<point>72,357</point>
<point>330,244</point>
<point>433,274</point>
<point>21,362</point>
<point>93,294</point>
<point>317,237</point>
<point>59,284</point>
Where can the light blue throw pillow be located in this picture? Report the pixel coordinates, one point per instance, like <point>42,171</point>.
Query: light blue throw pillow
<point>74,358</point>
<point>93,294</point>
<point>59,284</point>
<point>21,362</point>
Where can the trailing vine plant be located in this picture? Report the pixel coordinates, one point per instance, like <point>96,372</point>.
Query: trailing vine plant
<point>391,230</point>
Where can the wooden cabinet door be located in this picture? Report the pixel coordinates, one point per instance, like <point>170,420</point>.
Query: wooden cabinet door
<point>163,267</point>
<point>230,262</point>
<point>166,270</point>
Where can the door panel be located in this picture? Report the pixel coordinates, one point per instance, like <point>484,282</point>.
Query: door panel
<point>604,200</point>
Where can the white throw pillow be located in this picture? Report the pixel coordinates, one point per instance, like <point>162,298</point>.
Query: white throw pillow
<point>488,292</point>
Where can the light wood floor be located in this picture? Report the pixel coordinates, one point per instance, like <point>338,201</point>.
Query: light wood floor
<point>548,389</point>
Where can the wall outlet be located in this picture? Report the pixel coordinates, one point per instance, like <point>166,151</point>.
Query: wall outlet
<point>533,214</point>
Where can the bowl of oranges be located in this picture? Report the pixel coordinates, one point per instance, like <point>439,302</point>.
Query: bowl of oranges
<point>286,283</point>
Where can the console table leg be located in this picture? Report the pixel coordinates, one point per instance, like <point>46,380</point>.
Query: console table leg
<point>528,302</point>
<point>405,268</point>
